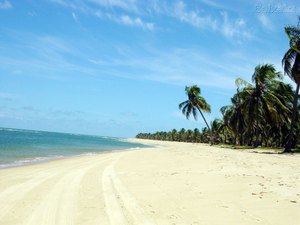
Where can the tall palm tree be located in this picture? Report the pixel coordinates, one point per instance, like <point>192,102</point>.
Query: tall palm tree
<point>195,103</point>
<point>285,94</point>
<point>234,119</point>
<point>258,99</point>
<point>291,65</point>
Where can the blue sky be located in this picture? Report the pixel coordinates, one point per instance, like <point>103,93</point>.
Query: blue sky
<point>119,67</point>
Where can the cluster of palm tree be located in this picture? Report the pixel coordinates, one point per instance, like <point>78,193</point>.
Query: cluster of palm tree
<point>182,135</point>
<point>264,112</point>
<point>259,113</point>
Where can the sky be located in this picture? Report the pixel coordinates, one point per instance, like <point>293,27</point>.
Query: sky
<point>119,67</point>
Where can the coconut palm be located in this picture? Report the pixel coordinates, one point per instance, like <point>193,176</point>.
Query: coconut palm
<point>182,134</point>
<point>258,101</point>
<point>216,126</point>
<point>189,135</point>
<point>174,135</point>
<point>195,103</point>
<point>291,65</point>
<point>234,119</point>
<point>197,135</point>
<point>285,94</point>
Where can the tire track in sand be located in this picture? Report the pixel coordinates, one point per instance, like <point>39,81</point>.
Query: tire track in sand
<point>59,206</point>
<point>12,195</point>
<point>121,206</point>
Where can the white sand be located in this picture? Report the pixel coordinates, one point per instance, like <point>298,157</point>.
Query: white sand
<point>178,183</point>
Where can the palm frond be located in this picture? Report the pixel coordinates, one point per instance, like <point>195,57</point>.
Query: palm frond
<point>195,113</point>
<point>182,104</point>
<point>239,82</point>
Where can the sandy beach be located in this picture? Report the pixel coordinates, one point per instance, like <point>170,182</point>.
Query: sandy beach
<point>175,183</point>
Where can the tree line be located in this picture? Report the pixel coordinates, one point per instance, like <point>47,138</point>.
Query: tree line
<point>182,135</point>
<point>264,112</point>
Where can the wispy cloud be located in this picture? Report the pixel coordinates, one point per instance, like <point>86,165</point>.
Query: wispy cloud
<point>32,14</point>
<point>137,22</point>
<point>129,5</point>
<point>103,9</point>
<point>234,28</point>
<point>229,27</point>
<point>74,16</point>
<point>7,96</point>
<point>46,56</point>
<point>53,44</point>
<point>71,114</point>
<point>174,66</point>
<point>128,114</point>
<point>5,4</point>
<point>265,21</point>
<point>192,17</point>
<point>212,3</point>
<point>134,14</point>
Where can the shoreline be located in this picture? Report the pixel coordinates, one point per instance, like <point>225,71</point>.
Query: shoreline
<point>45,159</point>
<point>172,183</point>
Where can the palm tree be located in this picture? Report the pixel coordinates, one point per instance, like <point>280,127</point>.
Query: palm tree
<point>291,65</point>
<point>234,119</point>
<point>205,135</point>
<point>216,126</point>
<point>258,99</point>
<point>285,94</point>
<point>195,103</point>
<point>197,135</point>
<point>174,135</point>
<point>182,134</point>
<point>189,135</point>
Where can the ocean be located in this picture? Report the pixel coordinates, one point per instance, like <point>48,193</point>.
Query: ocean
<point>22,147</point>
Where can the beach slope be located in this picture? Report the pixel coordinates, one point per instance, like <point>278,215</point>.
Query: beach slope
<point>176,183</point>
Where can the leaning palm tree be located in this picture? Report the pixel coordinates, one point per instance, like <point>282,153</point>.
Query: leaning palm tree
<point>195,103</point>
<point>258,100</point>
<point>291,65</point>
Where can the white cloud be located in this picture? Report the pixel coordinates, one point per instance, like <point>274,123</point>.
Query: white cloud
<point>192,17</point>
<point>212,3</point>
<point>129,5</point>
<point>236,28</point>
<point>75,17</point>
<point>229,28</point>
<point>265,21</point>
<point>53,44</point>
<point>100,9</point>
<point>138,22</point>
<point>32,14</point>
<point>74,5</point>
<point>5,5</point>
<point>103,9</point>
<point>175,67</point>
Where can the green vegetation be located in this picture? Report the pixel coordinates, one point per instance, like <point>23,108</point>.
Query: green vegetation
<point>263,113</point>
<point>291,65</point>
<point>182,135</point>
<point>195,103</point>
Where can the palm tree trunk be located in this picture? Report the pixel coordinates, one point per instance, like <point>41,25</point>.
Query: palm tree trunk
<point>294,113</point>
<point>211,135</point>
<point>256,128</point>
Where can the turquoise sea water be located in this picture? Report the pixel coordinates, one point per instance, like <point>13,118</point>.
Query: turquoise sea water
<point>21,147</point>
